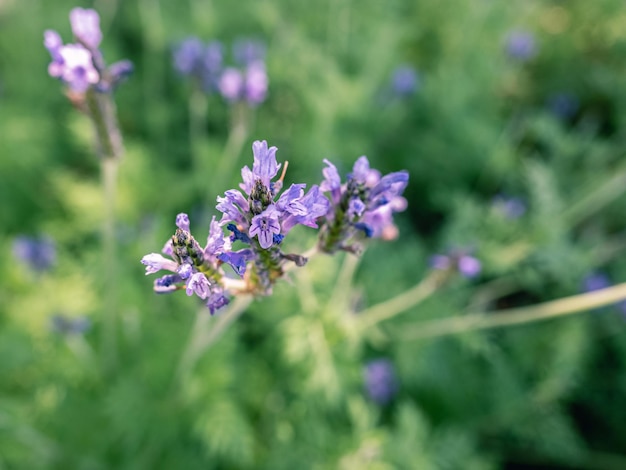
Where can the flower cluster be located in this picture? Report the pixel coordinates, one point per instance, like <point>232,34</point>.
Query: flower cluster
<point>381,383</point>
<point>404,81</point>
<point>80,64</point>
<point>363,205</point>
<point>458,260</point>
<point>245,81</point>
<point>261,214</point>
<point>521,46</point>
<point>38,253</point>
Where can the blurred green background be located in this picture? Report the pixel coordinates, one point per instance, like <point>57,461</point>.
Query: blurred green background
<point>284,387</point>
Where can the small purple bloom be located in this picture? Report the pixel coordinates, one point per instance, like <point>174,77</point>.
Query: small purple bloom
<point>199,284</point>
<point>154,262</point>
<point>182,221</point>
<point>118,72</point>
<point>73,64</point>
<point>265,167</point>
<point>167,284</point>
<point>38,253</point>
<point>215,241</point>
<point>332,181</point>
<point>187,55</point>
<point>256,83</point>
<point>381,383</point>
<point>404,81</point>
<point>469,266</point>
<point>64,325</point>
<point>232,206</point>
<point>264,226</point>
<point>231,84</point>
<point>185,270</point>
<point>289,200</point>
<point>86,27</point>
<point>237,260</point>
<point>216,300</point>
<point>520,45</point>
<point>595,281</point>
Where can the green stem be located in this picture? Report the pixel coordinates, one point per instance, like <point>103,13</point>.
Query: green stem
<point>202,338</point>
<point>109,180</point>
<point>198,106</point>
<point>236,139</point>
<point>516,316</point>
<point>402,302</point>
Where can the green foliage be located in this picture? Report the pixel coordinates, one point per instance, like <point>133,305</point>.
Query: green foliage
<point>283,387</point>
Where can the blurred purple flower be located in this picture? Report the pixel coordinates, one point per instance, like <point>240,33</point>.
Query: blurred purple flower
<point>38,253</point>
<point>405,81</point>
<point>381,383</point>
<point>201,61</point>
<point>86,27</point>
<point>595,281</point>
<point>467,266</point>
<point>65,325</point>
<point>521,46</point>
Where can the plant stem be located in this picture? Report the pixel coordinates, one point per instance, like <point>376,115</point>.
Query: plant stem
<point>516,316</point>
<point>201,339</point>
<point>402,302</point>
<point>236,138</point>
<point>198,105</point>
<point>109,346</point>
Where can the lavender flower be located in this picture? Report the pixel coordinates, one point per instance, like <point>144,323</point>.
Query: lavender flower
<point>80,65</point>
<point>381,383</point>
<point>595,281</point>
<point>263,217</point>
<point>363,205</point>
<point>468,266</point>
<point>404,81</point>
<point>86,27</point>
<point>193,268</point>
<point>202,62</point>
<point>69,326</point>
<point>37,253</point>
<point>520,45</point>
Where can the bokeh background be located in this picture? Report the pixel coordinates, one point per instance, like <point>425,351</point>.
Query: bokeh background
<point>512,130</point>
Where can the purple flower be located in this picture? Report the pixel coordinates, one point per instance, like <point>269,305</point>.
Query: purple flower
<point>199,284</point>
<point>86,27</point>
<point>231,84</point>
<point>73,65</point>
<point>381,383</point>
<point>264,226</point>
<point>404,81</point>
<point>265,167</point>
<point>314,205</point>
<point>237,260</point>
<point>38,253</point>
<point>467,266</point>
<point>520,45</point>
<point>365,204</point>
<point>216,300</point>
<point>256,83</point>
<point>595,281</point>
<point>233,206</point>
<point>80,65</point>
<point>154,262</point>
<point>182,221</point>
<point>201,61</point>
<point>64,325</point>
<point>167,284</point>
